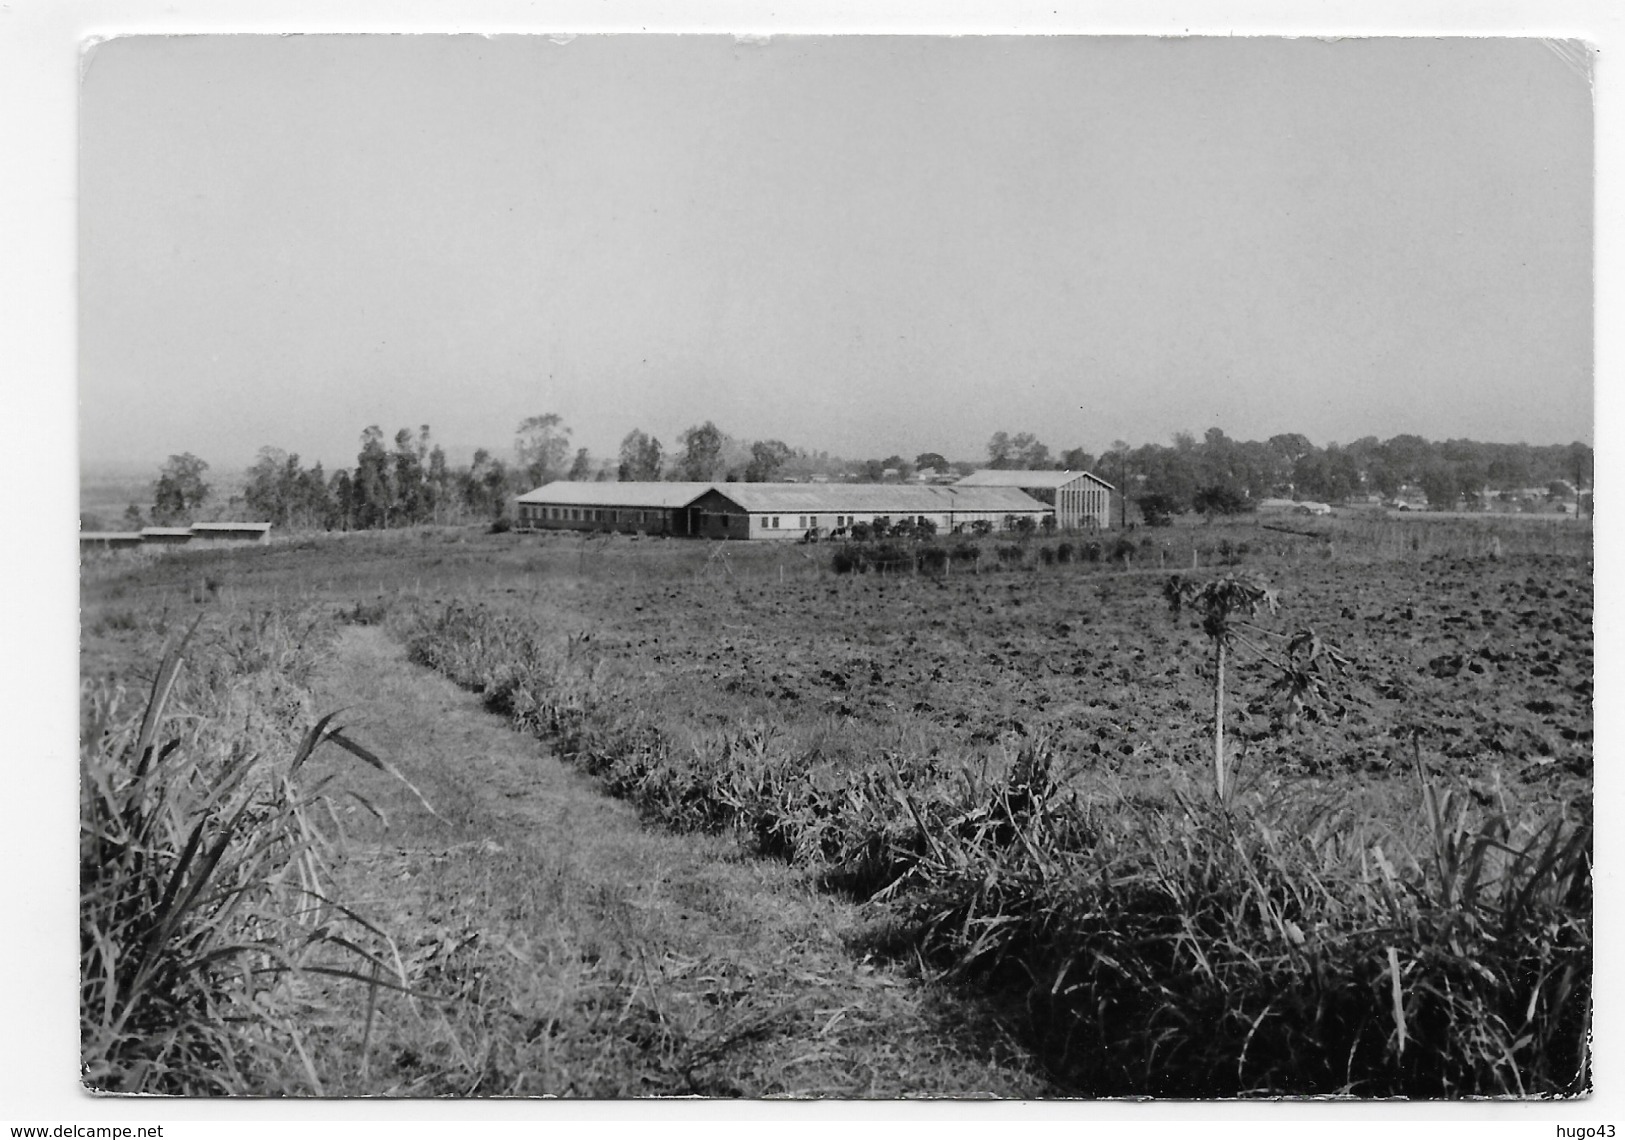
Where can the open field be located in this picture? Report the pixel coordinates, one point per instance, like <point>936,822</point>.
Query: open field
<point>991,779</point>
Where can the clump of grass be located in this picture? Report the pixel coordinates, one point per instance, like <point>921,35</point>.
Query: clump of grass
<point>1178,946</point>
<point>375,612</point>
<point>203,885</point>
<point>116,621</point>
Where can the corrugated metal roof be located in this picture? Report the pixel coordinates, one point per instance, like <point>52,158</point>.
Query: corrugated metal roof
<point>563,493</point>
<point>167,531</point>
<point>1007,478</point>
<point>109,536</point>
<point>205,528</point>
<point>878,498</point>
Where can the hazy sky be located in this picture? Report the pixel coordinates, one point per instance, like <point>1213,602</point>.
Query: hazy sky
<point>859,244</point>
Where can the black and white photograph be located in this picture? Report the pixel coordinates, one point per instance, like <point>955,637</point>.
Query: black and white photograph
<point>835,567</point>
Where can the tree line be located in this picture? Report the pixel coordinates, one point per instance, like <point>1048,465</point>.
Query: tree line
<point>409,481</point>
<point>1222,475</point>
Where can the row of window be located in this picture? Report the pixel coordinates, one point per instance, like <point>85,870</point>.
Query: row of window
<point>805,522</point>
<point>589,514</point>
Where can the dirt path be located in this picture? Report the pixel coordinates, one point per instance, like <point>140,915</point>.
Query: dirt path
<point>597,956</point>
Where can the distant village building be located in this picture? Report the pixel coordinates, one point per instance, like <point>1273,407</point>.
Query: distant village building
<point>1081,500</point>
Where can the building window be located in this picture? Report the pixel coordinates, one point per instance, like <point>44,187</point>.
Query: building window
<point>775,522</point>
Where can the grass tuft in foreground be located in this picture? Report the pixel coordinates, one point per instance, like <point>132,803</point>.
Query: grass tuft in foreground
<point>204,897</point>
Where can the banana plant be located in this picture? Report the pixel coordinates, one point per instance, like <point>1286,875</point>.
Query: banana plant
<point>1220,602</point>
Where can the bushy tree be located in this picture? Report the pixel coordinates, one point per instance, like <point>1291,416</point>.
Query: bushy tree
<point>767,456</point>
<point>411,499</point>
<point>641,458</point>
<point>281,492</point>
<point>1077,459</point>
<point>439,483</point>
<point>1020,452</point>
<point>541,445</point>
<point>180,490</point>
<point>898,464</point>
<point>1219,499</point>
<point>370,489</point>
<point>1156,508</point>
<point>581,468</point>
<point>1441,486</point>
<point>701,460</point>
<point>341,500</point>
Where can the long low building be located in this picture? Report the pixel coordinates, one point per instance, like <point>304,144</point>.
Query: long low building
<point>765,510</point>
<point>790,510</point>
<point>215,532</point>
<point>647,508</point>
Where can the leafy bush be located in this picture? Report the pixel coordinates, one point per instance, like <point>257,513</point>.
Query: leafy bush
<point>1220,499</point>
<point>1064,552</point>
<point>1158,509</point>
<point>889,558</point>
<point>1009,554</point>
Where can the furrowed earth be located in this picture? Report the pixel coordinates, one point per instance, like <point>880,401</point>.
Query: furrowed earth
<point>577,948</point>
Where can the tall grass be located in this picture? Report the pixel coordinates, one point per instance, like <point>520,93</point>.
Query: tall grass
<point>205,902</point>
<point>1282,940</point>
<point>1278,945</point>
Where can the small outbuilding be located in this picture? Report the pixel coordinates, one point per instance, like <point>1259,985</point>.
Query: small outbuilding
<point>109,539</point>
<point>1081,500</point>
<point>165,535</point>
<point>231,531</point>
